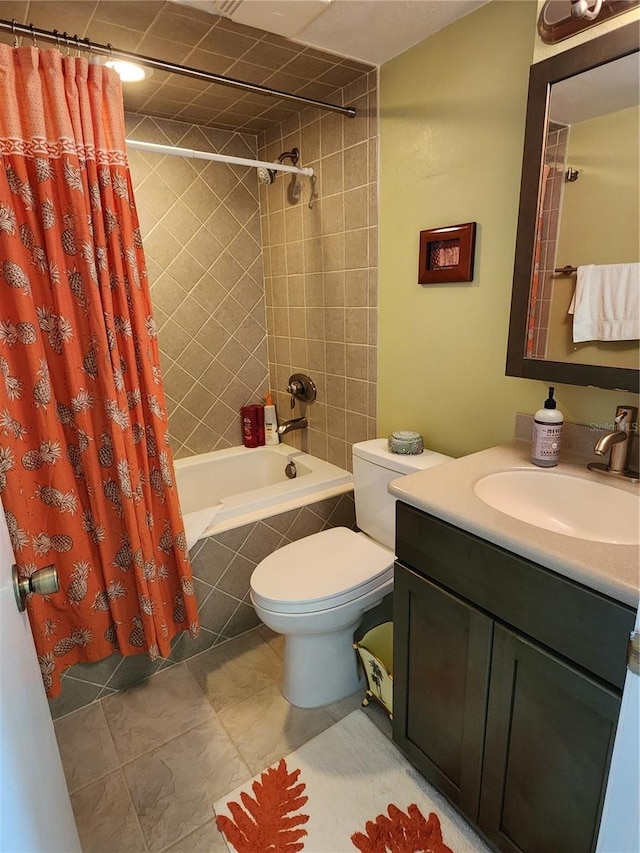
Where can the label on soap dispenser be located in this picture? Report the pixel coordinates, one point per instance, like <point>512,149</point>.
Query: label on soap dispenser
<point>545,447</point>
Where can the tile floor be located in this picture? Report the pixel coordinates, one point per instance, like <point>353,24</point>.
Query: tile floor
<point>145,765</point>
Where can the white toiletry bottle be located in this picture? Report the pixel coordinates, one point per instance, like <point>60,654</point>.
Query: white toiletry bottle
<point>547,431</point>
<point>270,421</point>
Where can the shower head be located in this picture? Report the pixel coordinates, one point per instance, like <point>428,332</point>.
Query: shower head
<point>266,176</point>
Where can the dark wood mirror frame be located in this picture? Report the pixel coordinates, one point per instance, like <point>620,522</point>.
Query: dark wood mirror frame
<point>606,48</point>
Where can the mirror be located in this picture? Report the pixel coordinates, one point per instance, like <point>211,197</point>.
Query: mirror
<point>578,206</point>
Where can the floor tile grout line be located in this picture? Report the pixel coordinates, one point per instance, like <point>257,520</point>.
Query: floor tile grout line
<point>213,715</point>
<point>191,832</point>
<point>133,808</point>
<point>168,740</point>
<point>161,669</point>
<point>210,716</point>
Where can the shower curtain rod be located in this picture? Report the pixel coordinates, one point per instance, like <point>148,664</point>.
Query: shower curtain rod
<point>162,65</point>
<point>219,158</point>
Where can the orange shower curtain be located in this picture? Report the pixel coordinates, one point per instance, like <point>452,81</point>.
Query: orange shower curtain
<point>86,473</point>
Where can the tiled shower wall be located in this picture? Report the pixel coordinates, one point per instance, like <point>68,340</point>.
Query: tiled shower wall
<point>555,157</point>
<point>321,271</point>
<point>204,244</point>
<point>201,229</point>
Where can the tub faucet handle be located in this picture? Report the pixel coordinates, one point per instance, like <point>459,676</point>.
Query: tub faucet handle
<point>296,390</point>
<point>301,388</point>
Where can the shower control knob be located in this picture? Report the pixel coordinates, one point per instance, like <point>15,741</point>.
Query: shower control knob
<point>301,387</point>
<point>43,582</point>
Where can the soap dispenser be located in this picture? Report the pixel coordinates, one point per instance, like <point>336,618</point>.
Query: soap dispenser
<point>547,431</point>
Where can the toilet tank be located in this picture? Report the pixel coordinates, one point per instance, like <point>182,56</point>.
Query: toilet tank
<point>373,469</point>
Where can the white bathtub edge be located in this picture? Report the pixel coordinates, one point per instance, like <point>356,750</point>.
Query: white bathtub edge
<point>282,507</point>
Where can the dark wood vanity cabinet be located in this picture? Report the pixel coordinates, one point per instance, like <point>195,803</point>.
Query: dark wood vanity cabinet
<point>507,685</point>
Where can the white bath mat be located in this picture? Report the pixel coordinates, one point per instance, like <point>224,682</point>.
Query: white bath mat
<point>349,789</point>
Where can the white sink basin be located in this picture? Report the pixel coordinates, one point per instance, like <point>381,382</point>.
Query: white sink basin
<point>572,506</point>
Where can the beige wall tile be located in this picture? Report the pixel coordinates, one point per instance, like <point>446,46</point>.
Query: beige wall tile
<point>332,175</point>
<point>333,214</point>
<point>209,287</point>
<point>295,290</point>
<point>339,269</point>
<point>356,331</point>
<point>299,354</point>
<point>336,358</point>
<point>295,258</point>
<point>333,252</point>
<point>356,207</point>
<point>356,365</point>
<point>356,249</point>
<point>357,396</point>
<point>334,289</point>
<point>355,288</point>
<point>356,166</point>
<point>334,319</point>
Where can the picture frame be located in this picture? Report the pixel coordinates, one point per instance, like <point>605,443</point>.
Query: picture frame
<point>446,254</point>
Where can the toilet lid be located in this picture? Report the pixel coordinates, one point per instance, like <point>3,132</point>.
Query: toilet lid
<point>320,571</point>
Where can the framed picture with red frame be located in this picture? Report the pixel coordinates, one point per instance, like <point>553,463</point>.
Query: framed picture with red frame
<point>446,254</point>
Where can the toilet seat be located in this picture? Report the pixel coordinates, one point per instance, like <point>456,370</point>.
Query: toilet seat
<point>320,572</point>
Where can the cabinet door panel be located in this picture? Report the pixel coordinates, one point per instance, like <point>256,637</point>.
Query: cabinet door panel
<point>441,670</point>
<point>550,731</point>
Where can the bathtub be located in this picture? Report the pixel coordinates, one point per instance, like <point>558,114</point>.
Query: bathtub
<point>241,485</point>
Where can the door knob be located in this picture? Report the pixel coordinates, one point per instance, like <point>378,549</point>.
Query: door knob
<point>43,582</point>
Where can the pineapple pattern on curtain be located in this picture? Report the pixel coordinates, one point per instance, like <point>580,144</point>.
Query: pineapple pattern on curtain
<point>86,473</point>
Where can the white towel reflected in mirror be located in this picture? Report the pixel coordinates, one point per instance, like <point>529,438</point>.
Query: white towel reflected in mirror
<point>606,303</point>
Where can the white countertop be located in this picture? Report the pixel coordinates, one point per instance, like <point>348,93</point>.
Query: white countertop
<point>446,491</point>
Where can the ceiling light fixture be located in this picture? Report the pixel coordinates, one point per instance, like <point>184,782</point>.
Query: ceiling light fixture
<point>130,72</point>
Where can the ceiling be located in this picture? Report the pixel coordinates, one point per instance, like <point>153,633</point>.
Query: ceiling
<point>348,39</point>
<point>370,30</point>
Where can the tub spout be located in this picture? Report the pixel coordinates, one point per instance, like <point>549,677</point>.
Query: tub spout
<point>289,426</point>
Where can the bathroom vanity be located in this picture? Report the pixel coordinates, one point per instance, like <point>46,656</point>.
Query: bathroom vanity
<point>510,647</point>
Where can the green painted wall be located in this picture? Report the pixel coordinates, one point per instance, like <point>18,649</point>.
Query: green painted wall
<point>452,114</point>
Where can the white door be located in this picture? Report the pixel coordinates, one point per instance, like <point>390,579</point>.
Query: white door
<point>35,810</point>
<point>620,827</point>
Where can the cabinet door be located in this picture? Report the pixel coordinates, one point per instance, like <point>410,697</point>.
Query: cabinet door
<point>442,648</point>
<point>550,731</point>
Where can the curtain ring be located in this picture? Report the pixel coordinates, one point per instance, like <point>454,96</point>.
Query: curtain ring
<point>89,45</point>
<point>33,35</point>
<point>76,38</point>
<point>15,34</point>
<point>57,38</point>
<point>65,36</point>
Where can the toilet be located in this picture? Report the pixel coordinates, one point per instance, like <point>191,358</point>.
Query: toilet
<point>316,590</point>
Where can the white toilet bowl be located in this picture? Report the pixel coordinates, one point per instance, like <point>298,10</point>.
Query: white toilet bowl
<point>315,592</point>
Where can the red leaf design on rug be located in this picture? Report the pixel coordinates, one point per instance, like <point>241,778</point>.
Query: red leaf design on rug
<point>266,824</point>
<point>402,833</point>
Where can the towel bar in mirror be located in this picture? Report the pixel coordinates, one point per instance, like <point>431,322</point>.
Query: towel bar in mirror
<point>583,111</point>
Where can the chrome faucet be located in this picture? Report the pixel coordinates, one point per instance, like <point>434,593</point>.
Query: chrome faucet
<point>294,423</point>
<point>618,443</point>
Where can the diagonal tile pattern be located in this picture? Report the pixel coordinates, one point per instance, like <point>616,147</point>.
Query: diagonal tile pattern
<point>163,753</point>
<point>222,567</point>
<point>195,38</point>
<point>201,229</point>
